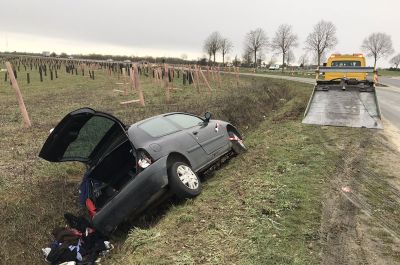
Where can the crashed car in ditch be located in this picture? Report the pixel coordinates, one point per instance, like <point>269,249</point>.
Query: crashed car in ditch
<point>137,164</point>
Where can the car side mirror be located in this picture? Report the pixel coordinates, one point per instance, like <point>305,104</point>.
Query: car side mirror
<point>207,116</point>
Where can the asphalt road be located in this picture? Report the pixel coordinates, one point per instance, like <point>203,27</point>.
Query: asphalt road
<point>389,100</point>
<point>388,97</point>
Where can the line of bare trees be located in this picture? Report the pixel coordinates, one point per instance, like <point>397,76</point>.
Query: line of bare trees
<point>216,43</point>
<point>321,40</point>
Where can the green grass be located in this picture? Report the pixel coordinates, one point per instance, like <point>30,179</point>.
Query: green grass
<point>263,207</point>
<point>287,72</point>
<point>35,194</point>
<point>388,73</point>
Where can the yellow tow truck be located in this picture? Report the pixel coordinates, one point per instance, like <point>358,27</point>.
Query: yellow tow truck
<point>345,95</point>
<point>346,60</point>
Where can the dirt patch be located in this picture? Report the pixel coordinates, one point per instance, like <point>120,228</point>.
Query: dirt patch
<point>289,115</point>
<point>339,232</point>
<point>392,133</point>
<point>360,223</point>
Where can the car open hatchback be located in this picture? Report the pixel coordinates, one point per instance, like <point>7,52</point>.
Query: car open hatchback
<point>129,167</point>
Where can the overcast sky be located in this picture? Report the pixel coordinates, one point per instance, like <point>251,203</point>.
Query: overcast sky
<point>174,27</point>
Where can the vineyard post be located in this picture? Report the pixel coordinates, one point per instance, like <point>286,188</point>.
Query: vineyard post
<point>197,77</point>
<point>237,75</point>
<point>205,81</point>
<point>124,81</point>
<point>21,103</point>
<point>138,86</point>
<point>219,77</point>
<point>166,83</point>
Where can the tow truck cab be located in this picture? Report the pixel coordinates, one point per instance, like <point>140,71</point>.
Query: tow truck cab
<point>346,60</point>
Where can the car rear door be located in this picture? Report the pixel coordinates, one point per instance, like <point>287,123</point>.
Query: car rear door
<point>80,136</point>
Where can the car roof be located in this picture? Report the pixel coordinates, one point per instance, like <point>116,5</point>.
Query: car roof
<point>134,132</point>
<point>161,115</point>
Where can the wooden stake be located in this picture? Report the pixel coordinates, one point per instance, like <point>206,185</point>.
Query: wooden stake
<point>124,81</point>
<point>237,75</point>
<point>205,80</point>
<point>21,103</point>
<point>129,101</point>
<point>219,77</point>
<point>166,83</point>
<point>132,76</point>
<point>197,79</point>
<point>138,86</point>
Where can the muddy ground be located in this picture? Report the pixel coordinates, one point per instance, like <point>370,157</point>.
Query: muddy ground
<point>360,217</point>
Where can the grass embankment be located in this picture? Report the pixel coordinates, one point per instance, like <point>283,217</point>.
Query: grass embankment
<point>288,72</point>
<point>389,73</point>
<point>35,194</point>
<point>264,207</point>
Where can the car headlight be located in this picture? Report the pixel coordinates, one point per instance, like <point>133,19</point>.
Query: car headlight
<point>144,160</point>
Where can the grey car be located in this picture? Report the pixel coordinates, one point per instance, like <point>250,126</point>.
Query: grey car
<point>130,167</point>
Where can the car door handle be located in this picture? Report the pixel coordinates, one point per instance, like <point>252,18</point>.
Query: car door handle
<point>195,132</point>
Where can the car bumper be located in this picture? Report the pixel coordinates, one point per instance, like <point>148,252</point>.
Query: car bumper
<point>133,197</point>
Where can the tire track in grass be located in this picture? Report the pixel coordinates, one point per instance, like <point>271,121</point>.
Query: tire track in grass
<point>367,192</point>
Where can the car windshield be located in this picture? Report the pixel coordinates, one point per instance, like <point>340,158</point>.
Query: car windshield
<point>158,127</point>
<point>185,121</point>
<point>346,63</point>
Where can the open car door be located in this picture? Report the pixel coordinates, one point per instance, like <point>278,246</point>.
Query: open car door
<point>83,135</point>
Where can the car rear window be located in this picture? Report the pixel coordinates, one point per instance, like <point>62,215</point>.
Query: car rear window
<point>184,120</point>
<point>158,127</point>
<point>88,137</point>
<point>346,63</point>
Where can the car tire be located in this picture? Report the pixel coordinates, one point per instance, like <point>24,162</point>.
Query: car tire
<point>183,181</point>
<point>238,146</point>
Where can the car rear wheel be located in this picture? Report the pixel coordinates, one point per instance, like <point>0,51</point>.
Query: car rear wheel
<point>183,181</point>
<point>237,144</point>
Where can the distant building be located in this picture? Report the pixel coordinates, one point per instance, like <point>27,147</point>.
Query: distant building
<point>46,54</point>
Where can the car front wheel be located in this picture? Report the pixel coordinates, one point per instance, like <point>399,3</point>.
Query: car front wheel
<point>183,181</point>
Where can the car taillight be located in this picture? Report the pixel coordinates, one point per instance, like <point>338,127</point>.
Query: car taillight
<point>144,160</point>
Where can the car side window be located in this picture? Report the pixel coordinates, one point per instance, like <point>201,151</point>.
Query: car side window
<point>185,121</point>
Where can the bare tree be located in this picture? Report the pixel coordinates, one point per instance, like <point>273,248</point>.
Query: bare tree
<point>226,46</point>
<point>396,61</point>
<point>283,41</point>
<point>290,57</point>
<point>322,39</point>
<point>303,60</point>
<point>255,41</point>
<point>377,45</point>
<point>212,44</point>
<point>247,57</point>
<point>236,61</point>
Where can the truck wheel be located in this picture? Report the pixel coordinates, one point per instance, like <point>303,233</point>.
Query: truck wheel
<point>183,181</point>
<point>238,146</point>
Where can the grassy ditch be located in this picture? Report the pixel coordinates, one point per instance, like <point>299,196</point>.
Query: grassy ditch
<point>263,207</point>
<point>34,194</point>
<point>271,205</point>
